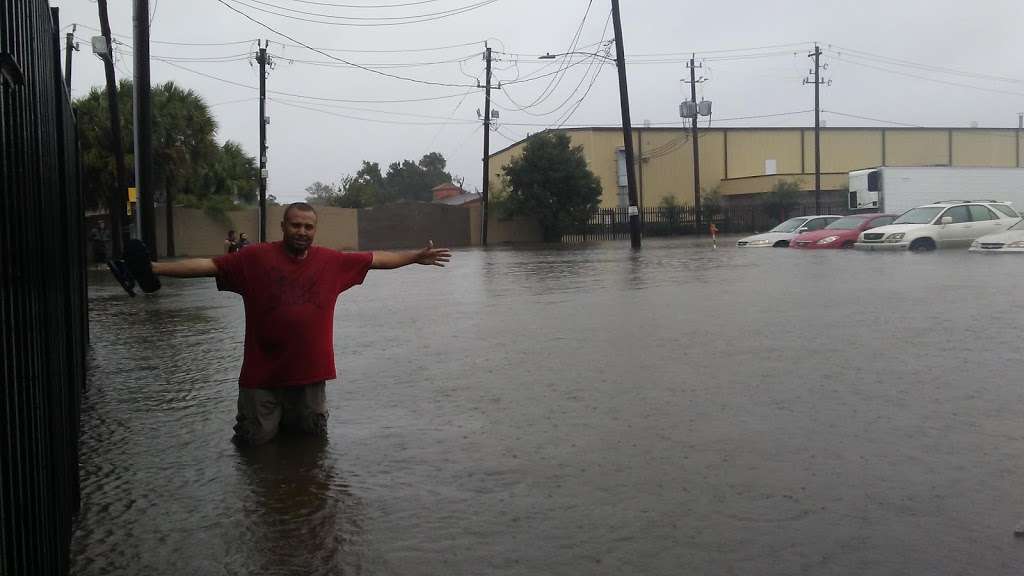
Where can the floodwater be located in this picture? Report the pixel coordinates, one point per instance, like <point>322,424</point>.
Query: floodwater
<point>580,410</point>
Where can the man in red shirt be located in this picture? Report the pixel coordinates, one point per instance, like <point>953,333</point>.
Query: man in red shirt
<point>289,289</point>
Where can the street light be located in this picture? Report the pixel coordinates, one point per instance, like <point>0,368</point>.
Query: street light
<point>627,129</point>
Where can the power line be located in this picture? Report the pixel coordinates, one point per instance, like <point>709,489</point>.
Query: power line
<point>440,15</point>
<point>308,47</point>
<point>871,119</point>
<point>376,120</point>
<point>250,41</point>
<point>372,110</point>
<point>928,67</point>
<point>385,18</point>
<point>593,59</point>
<point>335,5</point>
<point>331,64</point>
<point>318,98</point>
<point>392,51</point>
<point>563,66</point>
<point>847,58</point>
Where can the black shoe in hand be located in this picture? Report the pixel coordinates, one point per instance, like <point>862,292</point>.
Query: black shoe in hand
<point>136,259</point>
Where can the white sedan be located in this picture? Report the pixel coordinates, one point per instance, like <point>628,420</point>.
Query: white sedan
<point>780,236</point>
<point>1009,241</point>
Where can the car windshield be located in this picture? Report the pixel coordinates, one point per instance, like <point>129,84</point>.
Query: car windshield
<point>919,215</point>
<point>1018,226</point>
<point>789,225</point>
<point>848,223</point>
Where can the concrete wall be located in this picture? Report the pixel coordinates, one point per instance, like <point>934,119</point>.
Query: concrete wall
<point>513,231</point>
<point>730,156</point>
<point>196,234</point>
<point>411,225</point>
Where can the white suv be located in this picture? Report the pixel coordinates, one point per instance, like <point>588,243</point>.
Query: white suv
<point>947,224</point>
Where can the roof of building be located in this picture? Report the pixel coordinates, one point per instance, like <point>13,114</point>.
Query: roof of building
<point>446,186</point>
<point>459,200</point>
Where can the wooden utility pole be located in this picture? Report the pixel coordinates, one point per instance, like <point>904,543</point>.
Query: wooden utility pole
<point>261,59</point>
<point>144,127</point>
<point>627,130</point>
<point>117,201</point>
<point>487,148</point>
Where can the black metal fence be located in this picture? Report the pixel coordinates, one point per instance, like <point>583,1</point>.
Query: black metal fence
<point>42,296</point>
<point>613,223</point>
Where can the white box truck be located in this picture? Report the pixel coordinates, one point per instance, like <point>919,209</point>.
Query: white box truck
<point>895,190</point>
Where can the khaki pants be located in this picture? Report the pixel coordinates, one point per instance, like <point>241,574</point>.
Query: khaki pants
<point>264,411</point>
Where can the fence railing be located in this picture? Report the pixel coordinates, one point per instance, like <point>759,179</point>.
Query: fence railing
<point>43,316</point>
<point>613,223</point>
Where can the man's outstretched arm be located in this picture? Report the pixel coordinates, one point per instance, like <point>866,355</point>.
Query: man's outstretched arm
<point>191,268</point>
<point>428,256</point>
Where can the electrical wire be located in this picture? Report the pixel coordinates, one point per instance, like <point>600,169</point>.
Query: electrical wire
<point>335,5</point>
<point>847,59</point>
<point>556,77</point>
<point>385,18</point>
<point>360,118</point>
<point>441,16</point>
<point>368,69</point>
<point>318,98</point>
<point>870,119</point>
<point>926,67</point>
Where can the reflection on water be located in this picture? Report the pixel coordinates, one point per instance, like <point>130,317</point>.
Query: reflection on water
<point>583,409</point>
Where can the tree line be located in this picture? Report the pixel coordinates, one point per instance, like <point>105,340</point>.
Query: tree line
<point>404,181</point>
<point>188,163</point>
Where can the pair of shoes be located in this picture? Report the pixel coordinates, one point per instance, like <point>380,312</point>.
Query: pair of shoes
<point>135,268</point>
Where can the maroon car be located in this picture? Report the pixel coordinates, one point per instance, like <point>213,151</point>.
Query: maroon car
<point>842,233</point>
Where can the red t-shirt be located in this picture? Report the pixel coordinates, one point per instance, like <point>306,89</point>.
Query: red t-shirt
<point>289,309</point>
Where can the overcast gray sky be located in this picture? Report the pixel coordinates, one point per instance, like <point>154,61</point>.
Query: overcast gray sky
<point>918,62</point>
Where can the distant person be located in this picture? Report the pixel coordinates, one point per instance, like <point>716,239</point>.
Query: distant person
<point>243,240</point>
<point>98,239</point>
<point>230,244</point>
<point>289,289</point>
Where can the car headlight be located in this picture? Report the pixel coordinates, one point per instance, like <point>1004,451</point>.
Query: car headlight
<point>895,237</point>
<point>759,242</point>
<point>1017,244</point>
<point>975,244</point>
<point>828,240</point>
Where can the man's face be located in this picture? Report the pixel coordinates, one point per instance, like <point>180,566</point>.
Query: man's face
<point>298,228</point>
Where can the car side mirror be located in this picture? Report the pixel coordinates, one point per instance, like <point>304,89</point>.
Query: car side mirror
<point>802,230</point>
<point>947,220</point>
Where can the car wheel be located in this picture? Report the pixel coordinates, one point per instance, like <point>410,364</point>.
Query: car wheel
<point>922,245</point>
<point>781,244</point>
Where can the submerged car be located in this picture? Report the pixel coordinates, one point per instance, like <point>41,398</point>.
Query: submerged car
<point>1008,242</point>
<point>780,236</point>
<point>948,224</point>
<point>842,233</point>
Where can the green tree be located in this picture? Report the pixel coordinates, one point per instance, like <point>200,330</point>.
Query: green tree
<point>188,162</point>
<point>412,181</point>
<point>550,181</point>
<point>711,203</point>
<point>783,197</point>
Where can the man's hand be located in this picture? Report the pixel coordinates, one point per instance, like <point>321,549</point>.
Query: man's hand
<point>428,256</point>
<point>431,256</point>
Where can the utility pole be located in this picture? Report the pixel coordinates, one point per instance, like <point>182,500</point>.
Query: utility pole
<point>487,146</point>
<point>816,72</point>
<point>696,149</point>
<point>144,127</point>
<point>70,47</point>
<point>627,130</point>
<point>261,58</point>
<point>117,201</point>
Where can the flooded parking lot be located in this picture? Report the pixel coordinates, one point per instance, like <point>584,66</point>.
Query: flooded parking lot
<point>578,410</point>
